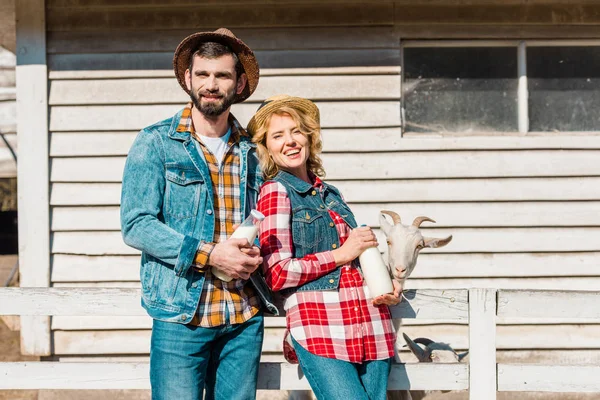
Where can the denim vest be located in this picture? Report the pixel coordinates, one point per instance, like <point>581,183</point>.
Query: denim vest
<point>313,229</point>
<point>167,210</point>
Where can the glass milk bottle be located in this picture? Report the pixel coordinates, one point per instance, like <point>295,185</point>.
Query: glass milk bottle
<point>247,230</point>
<point>375,272</point>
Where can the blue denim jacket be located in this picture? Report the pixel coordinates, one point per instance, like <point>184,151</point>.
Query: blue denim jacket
<point>167,210</point>
<point>313,230</point>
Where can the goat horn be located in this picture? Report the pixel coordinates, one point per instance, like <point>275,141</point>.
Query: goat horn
<point>395,216</point>
<point>417,222</point>
<point>423,341</point>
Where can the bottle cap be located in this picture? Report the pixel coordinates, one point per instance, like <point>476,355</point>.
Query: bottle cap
<point>257,215</point>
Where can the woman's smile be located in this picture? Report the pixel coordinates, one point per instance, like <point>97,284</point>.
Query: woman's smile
<point>287,145</point>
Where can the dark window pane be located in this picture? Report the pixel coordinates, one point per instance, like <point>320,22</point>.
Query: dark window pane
<point>460,89</point>
<point>564,88</point>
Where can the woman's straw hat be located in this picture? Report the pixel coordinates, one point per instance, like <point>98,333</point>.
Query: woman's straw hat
<point>187,47</point>
<point>266,109</point>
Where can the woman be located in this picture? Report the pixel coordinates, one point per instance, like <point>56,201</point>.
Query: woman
<point>342,338</point>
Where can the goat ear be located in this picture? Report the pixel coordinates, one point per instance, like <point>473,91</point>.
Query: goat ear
<point>415,348</point>
<point>462,355</point>
<point>435,242</point>
<point>386,227</point>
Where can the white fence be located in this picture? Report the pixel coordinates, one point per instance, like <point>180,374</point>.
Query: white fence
<point>482,376</point>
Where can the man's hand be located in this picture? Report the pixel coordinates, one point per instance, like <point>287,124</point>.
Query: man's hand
<point>236,258</point>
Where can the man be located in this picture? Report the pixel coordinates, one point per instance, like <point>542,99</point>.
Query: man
<point>188,181</point>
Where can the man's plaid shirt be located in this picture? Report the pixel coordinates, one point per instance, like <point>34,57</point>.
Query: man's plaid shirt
<point>237,298</point>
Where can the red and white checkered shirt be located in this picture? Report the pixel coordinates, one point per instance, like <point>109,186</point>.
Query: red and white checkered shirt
<point>342,324</point>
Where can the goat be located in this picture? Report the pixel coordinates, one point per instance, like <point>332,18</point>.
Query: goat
<point>404,245</point>
<point>426,350</point>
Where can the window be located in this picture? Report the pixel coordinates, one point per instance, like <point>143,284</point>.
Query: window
<point>472,87</point>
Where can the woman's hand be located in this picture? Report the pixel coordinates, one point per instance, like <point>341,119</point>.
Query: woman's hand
<point>358,241</point>
<point>389,299</point>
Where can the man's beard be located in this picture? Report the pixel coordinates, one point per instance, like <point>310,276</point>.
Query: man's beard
<point>212,109</point>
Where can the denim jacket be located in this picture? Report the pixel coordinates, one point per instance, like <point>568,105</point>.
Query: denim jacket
<point>167,210</point>
<point>313,229</point>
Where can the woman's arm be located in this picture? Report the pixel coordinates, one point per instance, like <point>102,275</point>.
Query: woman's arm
<point>276,242</point>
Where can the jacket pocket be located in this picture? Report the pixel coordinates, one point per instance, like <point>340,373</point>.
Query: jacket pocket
<point>307,229</point>
<point>184,187</point>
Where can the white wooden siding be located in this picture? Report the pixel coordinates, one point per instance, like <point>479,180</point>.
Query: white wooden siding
<point>8,111</point>
<point>524,211</point>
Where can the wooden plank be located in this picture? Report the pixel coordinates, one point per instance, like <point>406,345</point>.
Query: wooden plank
<point>272,376</point>
<point>74,301</point>
<point>466,240</point>
<point>70,301</point>
<point>265,58</point>
<point>430,303</point>
<point>482,344</point>
<point>514,337</point>
<point>548,378</point>
<point>70,268</point>
<point>447,215</point>
<point>132,117</point>
<point>448,190</point>
<point>329,37</point>
<point>450,164</point>
<point>551,283</point>
<point>498,189</point>
<point>85,194</point>
<point>334,140</point>
<point>554,14</point>
<point>91,143</point>
<point>168,72</point>
<point>573,268</point>
<point>66,323</point>
<point>507,265</point>
<point>167,90</point>
<point>214,15</point>
<point>549,304</point>
<point>34,219</point>
<point>496,31</point>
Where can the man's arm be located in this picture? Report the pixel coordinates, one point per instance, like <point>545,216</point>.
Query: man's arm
<point>141,202</point>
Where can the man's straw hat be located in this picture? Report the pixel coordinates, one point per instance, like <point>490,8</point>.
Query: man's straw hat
<point>266,109</point>
<point>187,47</point>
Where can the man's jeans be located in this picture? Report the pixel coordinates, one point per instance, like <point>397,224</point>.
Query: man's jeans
<point>184,359</point>
<point>332,379</point>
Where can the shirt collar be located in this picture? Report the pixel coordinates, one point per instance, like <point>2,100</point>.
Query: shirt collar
<point>186,124</point>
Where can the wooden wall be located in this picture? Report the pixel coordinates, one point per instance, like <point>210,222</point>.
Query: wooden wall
<point>524,210</point>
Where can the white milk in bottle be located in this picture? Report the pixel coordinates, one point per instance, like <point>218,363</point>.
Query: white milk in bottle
<point>247,230</point>
<point>375,272</point>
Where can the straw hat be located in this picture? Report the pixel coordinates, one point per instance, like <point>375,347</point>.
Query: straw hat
<point>187,47</point>
<point>266,109</point>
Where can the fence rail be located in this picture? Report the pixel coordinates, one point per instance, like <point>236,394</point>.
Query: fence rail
<point>482,376</point>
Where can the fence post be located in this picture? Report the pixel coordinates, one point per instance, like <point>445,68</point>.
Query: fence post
<point>482,344</point>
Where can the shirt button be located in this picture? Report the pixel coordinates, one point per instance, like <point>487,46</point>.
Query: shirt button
<point>194,285</point>
<point>183,317</point>
<point>355,308</point>
<point>314,193</point>
<point>331,224</point>
<point>322,206</point>
<point>331,280</point>
<point>334,246</point>
<point>209,212</point>
<point>347,268</point>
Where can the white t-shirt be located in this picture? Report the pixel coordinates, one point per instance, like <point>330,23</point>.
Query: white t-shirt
<point>217,146</point>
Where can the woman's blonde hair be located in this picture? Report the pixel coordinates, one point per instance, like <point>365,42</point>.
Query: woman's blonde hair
<point>307,125</point>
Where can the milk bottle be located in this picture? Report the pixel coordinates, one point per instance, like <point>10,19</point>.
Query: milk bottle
<point>375,272</point>
<point>247,230</point>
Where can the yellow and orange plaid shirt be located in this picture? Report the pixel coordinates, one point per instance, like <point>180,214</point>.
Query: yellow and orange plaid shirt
<point>237,298</point>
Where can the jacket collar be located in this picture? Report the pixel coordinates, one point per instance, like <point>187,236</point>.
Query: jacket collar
<point>294,182</point>
<point>185,135</point>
